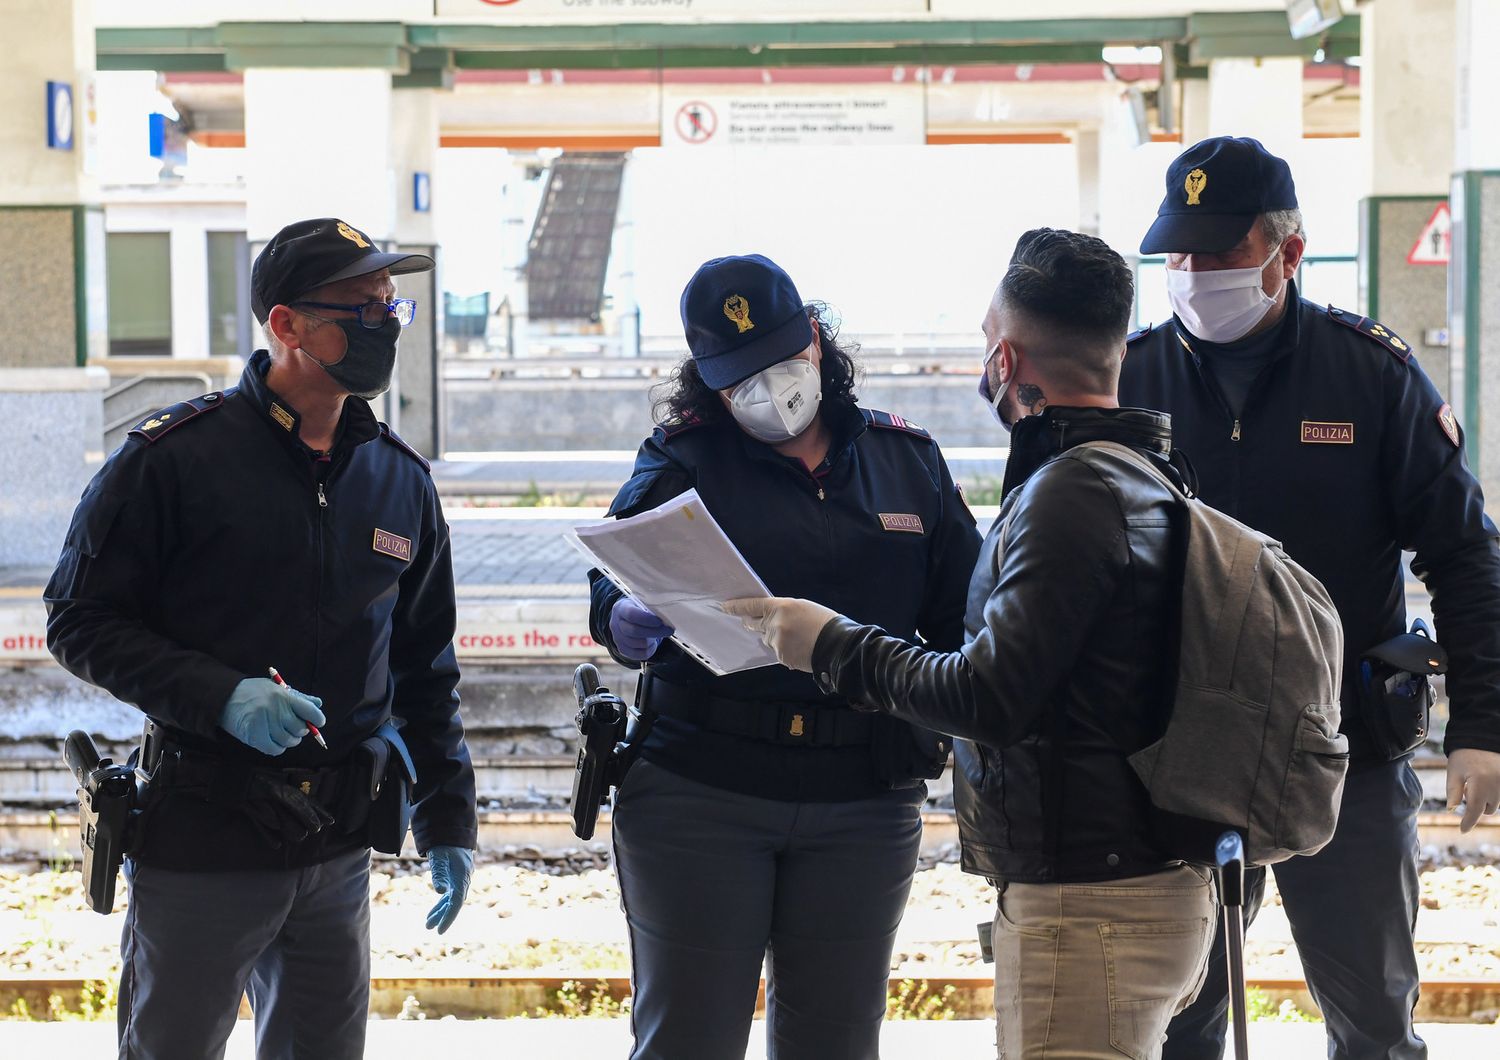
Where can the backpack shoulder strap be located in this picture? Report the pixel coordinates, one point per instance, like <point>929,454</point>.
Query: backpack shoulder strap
<point>1141,460</point>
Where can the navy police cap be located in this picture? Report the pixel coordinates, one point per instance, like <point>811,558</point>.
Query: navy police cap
<point>306,255</point>
<point>741,315</point>
<point>1215,191</point>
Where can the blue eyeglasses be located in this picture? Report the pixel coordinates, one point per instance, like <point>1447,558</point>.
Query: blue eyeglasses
<point>372,314</point>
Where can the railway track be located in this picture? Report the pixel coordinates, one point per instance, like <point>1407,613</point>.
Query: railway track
<point>504,995</point>
<point>523,805</point>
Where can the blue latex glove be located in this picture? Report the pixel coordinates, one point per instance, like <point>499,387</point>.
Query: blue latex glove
<point>451,869</point>
<point>269,717</point>
<point>636,630</point>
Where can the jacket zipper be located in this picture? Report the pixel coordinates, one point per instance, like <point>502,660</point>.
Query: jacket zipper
<point>318,589</point>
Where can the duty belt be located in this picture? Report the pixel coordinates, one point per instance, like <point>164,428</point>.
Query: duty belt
<point>793,724</point>
<point>224,780</point>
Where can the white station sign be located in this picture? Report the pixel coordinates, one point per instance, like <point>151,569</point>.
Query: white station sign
<point>804,116</point>
<point>602,11</point>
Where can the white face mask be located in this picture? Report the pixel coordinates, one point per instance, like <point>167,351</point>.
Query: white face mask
<point>1220,306</point>
<point>779,402</point>
<point>999,395</point>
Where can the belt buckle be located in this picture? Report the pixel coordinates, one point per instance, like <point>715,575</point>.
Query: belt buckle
<point>796,725</point>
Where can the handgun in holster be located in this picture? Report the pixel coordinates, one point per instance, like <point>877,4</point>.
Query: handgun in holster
<point>106,809</point>
<point>1396,693</point>
<point>609,734</point>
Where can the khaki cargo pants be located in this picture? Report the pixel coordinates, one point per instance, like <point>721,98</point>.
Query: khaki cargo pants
<point>1097,970</point>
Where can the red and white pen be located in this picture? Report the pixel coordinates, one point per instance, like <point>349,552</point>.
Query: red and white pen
<point>316,735</point>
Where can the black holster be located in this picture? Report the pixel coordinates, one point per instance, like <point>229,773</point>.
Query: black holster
<point>602,720</point>
<point>106,816</point>
<point>378,795</point>
<point>1395,690</point>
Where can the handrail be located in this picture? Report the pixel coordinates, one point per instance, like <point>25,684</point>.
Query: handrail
<point>151,377</point>
<point>205,382</point>
<point>575,366</point>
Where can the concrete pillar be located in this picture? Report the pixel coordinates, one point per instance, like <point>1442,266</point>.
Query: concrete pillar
<point>1087,141</point>
<point>51,226</point>
<point>1474,272</point>
<point>321,145</point>
<point>1195,111</point>
<point>1408,141</point>
<point>414,144</point>
<point>1256,97</point>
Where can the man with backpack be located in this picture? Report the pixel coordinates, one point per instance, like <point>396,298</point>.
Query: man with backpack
<point>1318,427</point>
<point>1102,933</point>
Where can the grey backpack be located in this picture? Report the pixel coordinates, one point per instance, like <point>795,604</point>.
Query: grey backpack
<point>1253,740</point>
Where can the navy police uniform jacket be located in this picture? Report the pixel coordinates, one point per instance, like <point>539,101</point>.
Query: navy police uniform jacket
<point>1347,454</point>
<point>878,531</point>
<point>212,545</point>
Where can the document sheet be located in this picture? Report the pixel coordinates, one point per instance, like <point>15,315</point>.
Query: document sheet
<point>676,560</point>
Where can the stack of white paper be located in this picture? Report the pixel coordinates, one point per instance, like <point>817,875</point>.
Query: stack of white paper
<point>676,560</point>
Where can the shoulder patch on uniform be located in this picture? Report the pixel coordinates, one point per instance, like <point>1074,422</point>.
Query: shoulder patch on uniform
<point>1373,330</point>
<point>1138,333</point>
<point>402,444</point>
<point>672,428</point>
<point>892,422</point>
<point>154,426</point>
<point>1449,423</point>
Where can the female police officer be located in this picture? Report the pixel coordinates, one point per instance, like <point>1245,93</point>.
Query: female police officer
<point>763,819</point>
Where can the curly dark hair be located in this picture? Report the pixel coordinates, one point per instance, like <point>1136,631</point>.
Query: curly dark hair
<point>685,396</point>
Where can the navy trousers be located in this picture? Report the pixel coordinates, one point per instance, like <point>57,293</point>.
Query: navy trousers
<point>297,939</point>
<point>714,882</point>
<point>1353,910</point>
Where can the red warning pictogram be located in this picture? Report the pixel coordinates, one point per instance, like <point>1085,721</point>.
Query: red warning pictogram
<point>696,122</point>
<point>1434,244</point>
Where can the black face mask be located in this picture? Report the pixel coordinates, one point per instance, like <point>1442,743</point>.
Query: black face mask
<point>368,361</point>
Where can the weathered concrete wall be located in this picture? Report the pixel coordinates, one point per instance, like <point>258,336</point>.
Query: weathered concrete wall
<point>616,413</point>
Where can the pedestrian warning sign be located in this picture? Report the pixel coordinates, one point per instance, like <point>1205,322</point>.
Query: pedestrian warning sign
<point>1433,245</point>
<point>696,122</point>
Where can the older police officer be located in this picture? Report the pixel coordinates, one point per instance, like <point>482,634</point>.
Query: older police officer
<point>766,820</point>
<point>1317,426</point>
<point>276,524</point>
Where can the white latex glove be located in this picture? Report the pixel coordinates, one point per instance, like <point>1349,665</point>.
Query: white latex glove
<point>1474,780</point>
<point>788,626</point>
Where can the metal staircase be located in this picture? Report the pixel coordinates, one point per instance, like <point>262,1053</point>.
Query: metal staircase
<point>570,242</point>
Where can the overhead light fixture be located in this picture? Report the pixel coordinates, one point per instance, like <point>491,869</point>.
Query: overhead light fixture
<point>1308,18</point>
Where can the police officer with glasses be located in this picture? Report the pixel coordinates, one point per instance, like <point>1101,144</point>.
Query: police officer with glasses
<point>766,821</point>
<point>276,526</point>
<point>1318,427</point>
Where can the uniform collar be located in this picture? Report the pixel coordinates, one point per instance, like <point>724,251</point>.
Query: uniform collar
<point>845,425</point>
<point>357,426</point>
<point>1037,439</point>
<point>1288,335</point>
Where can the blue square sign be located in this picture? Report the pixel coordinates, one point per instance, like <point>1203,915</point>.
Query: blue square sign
<point>421,192</point>
<point>60,115</point>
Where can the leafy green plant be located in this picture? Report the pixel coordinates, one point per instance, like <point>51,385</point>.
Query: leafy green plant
<point>572,1001</point>
<point>533,497</point>
<point>983,490</point>
<point>97,1000</point>
<point>1259,1008</point>
<point>916,1001</point>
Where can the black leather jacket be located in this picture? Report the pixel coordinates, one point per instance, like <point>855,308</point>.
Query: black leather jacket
<point>1063,671</point>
